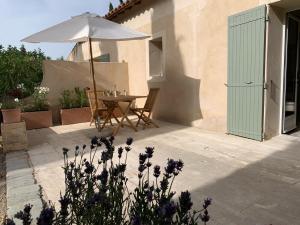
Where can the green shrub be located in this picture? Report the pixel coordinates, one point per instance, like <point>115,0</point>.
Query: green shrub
<point>20,71</point>
<point>66,100</point>
<point>9,103</point>
<point>40,102</point>
<point>73,99</point>
<point>81,99</point>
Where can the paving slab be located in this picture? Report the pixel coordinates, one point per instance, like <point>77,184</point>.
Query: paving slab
<point>21,186</point>
<point>250,182</point>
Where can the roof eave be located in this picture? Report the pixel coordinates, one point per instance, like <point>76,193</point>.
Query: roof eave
<point>121,9</point>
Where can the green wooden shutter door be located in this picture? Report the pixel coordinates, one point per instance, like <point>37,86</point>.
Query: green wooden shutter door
<point>246,57</point>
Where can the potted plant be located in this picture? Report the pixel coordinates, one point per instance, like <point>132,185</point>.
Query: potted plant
<point>74,107</point>
<point>11,111</point>
<point>37,115</point>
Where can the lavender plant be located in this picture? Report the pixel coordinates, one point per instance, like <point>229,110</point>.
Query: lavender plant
<point>97,192</point>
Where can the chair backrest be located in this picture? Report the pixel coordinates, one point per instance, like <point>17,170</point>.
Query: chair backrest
<point>151,99</point>
<point>92,101</point>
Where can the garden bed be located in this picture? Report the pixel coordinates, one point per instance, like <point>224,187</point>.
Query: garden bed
<point>75,115</point>
<point>38,119</point>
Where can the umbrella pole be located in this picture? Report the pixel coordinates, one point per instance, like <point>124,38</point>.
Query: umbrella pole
<point>93,76</point>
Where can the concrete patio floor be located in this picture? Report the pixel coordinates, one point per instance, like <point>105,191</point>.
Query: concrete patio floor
<point>251,183</point>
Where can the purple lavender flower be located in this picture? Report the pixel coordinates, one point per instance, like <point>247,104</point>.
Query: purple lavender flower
<point>164,184</point>
<point>156,172</point>
<point>9,222</point>
<point>141,168</point>
<point>65,151</point>
<point>46,216</point>
<point>103,177</point>
<point>120,151</point>
<point>25,215</point>
<point>207,202</point>
<point>94,141</point>
<point>127,148</point>
<point>111,139</point>
<point>89,168</point>
<point>205,217</point>
<point>171,166</point>
<point>136,221</point>
<point>64,203</point>
<point>129,141</point>
<point>185,201</point>
<point>142,158</point>
<point>149,152</point>
<point>168,210</point>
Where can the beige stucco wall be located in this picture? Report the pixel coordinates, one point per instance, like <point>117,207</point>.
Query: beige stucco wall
<point>195,32</point>
<point>62,75</point>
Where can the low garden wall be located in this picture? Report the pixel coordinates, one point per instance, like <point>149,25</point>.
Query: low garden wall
<point>62,75</point>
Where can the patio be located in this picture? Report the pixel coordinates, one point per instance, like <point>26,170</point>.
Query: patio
<point>250,182</point>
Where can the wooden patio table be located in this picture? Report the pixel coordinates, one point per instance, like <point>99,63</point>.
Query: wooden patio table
<point>112,102</point>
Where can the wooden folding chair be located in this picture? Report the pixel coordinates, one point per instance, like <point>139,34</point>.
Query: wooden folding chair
<point>144,113</point>
<point>101,112</point>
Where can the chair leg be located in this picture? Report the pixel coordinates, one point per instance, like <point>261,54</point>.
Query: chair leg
<point>116,118</point>
<point>92,120</point>
<point>154,124</point>
<point>151,121</point>
<point>148,121</point>
<point>97,123</point>
<point>140,117</point>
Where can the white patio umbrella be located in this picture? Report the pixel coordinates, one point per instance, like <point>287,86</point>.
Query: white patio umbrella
<point>86,27</point>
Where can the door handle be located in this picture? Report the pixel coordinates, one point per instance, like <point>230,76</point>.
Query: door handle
<point>250,82</point>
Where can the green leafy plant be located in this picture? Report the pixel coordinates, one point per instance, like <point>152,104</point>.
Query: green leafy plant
<point>20,71</point>
<point>66,99</point>
<point>73,99</point>
<point>40,102</point>
<point>81,99</point>
<point>9,103</point>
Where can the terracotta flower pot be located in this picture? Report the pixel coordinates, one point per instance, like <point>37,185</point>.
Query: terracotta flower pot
<point>36,120</point>
<point>11,115</point>
<point>75,115</point>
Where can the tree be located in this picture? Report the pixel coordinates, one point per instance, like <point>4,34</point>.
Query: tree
<point>111,7</point>
<point>20,70</point>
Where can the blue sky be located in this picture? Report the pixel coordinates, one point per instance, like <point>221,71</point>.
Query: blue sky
<point>21,18</point>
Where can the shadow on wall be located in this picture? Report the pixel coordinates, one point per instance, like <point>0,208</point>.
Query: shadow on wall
<point>178,100</point>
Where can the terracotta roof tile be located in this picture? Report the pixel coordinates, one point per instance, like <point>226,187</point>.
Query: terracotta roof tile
<point>122,8</point>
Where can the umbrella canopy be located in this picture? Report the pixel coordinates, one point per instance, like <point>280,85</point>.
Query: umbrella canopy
<point>86,28</point>
<point>81,28</point>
